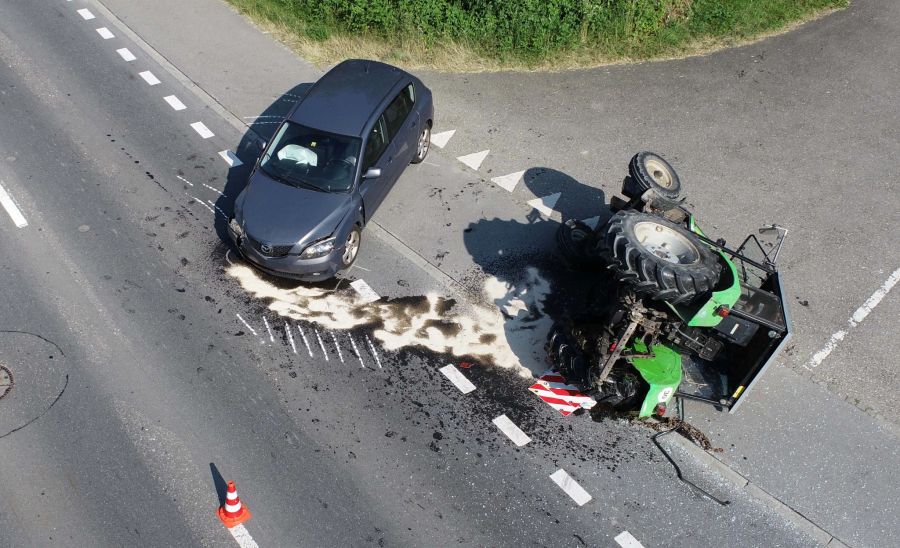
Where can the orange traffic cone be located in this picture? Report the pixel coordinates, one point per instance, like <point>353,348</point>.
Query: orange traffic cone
<point>233,513</point>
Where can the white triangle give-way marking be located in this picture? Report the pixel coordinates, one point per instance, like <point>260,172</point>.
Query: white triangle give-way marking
<point>440,139</point>
<point>474,160</point>
<point>545,204</point>
<point>509,182</point>
<point>592,221</point>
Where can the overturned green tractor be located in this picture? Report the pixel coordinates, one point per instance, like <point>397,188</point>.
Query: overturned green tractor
<point>678,314</point>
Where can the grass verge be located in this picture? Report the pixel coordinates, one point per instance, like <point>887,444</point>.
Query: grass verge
<point>490,35</point>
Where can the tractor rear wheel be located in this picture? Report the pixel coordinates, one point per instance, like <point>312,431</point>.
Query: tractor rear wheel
<point>657,258</point>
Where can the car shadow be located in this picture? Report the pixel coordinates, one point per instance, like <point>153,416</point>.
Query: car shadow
<point>261,129</point>
<point>523,257</point>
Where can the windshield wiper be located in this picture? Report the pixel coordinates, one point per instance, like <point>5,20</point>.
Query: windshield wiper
<point>288,181</point>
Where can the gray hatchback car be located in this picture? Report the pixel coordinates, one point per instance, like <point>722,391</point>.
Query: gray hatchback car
<point>328,167</point>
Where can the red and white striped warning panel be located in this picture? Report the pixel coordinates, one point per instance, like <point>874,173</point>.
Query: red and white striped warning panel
<point>565,398</point>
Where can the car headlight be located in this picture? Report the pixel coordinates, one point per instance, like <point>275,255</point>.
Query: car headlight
<point>318,249</point>
<point>236,226</point>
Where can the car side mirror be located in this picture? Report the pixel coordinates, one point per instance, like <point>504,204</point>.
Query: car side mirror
<point>372,173</point>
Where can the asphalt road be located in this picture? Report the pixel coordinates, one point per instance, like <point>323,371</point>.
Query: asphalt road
<point>179,362</point>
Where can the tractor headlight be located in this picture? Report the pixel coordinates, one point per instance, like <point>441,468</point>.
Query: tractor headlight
<point>318,249</point>
<point>235,226</point>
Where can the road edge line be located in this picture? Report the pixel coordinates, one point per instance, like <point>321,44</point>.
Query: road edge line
<point>731,476</point>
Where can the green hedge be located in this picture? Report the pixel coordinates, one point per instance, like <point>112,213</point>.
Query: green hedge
<point>535,29</point>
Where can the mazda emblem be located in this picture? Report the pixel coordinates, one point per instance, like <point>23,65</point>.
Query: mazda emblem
<point>266,248</point>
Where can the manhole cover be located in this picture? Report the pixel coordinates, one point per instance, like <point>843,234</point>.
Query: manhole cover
<point>6,381</point>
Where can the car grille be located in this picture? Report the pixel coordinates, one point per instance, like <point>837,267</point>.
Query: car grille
<point>276,251</point>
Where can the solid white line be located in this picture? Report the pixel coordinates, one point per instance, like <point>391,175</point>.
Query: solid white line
<point>105,33</point>
<point>337,347</point>
<point>149,77</point>
<point>126,54</point>
<point>230,158</point>
<point>242,536</point>
<point>512,431</point>
<point>12,209</point>
<point>269,329</point>
<point>627,540</point>
<point>86,14</point>
<point>287,329</point>
<point>356,351</point>
<point>175,103</point>
<point>858,316</point>
<point>570,486</point>
<point>201,129</point>
<point>243,321</point>
<point>321,344</point>
<point>185,180</point>
<point>305,342</point>
<point>374,352</point>
<point>458,379</point>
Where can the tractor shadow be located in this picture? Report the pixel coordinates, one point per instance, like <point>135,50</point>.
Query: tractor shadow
<point>536,285</point>
<point>261,130</point>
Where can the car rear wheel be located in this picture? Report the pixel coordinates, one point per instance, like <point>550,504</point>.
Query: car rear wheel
<point>351,247</point>
<point>423,145</point>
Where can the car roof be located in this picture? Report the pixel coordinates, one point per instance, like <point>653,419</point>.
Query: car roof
<point>347,96</point>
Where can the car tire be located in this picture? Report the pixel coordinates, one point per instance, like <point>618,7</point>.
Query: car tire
<point>350,249</point>
<point>657,258</point>
<point>423,145</point>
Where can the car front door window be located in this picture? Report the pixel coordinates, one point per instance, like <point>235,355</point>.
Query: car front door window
<point>376,143</point>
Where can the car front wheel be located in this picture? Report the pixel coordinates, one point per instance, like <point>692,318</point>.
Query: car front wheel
<point>351,247</point>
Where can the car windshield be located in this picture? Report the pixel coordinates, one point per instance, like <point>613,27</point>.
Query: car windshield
<point>305,157</point>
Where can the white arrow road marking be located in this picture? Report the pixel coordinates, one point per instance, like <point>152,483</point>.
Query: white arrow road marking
<point>858,316</point>
<point>509,182</point>
<point>86,14</point>
<point>149,77</point>
<point>126,54</point>
<point>105,33</point>
<point>570,486</point>
<point>592,221</point>
<point>230,158</point>
<point>11,208</point>
<point>176,104</point>
<point>457,378</point>
<point>627,540</point>
<point>201,129</point>
<point>512,431</point>
<point>242,536</point>
<point>440,139</point>
<point>474,160</point>
<point>545,204</point>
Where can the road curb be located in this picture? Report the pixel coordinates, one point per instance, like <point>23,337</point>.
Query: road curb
<point>798,520</point>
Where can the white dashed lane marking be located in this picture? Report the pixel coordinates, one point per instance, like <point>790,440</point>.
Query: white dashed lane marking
<point>268,329</point>
<point>12,209</point>
<point>105,33</point>
<point>627,540</point>
<point>457,378</point>
<point>202,130</point>
<point>337,347</point>
<point>126,54</point>
<point>242,536</point>
<point>440,139</point>
<point>374,352</point>
<point>545,204</point>
<point>230,158</point>
<point>149,77</point>
<point>287,330</point>
<point>858,316</point>
<point>356,351</point>
<point>305,341</point>
<point>512,431</point>
<point>474,160</point>
<point>247,325</point>
<point>321,344</point>
<point>86,14</point>
<point>175,103</point>
<point>509,182</point>
<point>571,487</point>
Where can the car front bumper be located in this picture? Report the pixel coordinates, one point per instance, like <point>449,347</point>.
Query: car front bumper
<point>289,266</point>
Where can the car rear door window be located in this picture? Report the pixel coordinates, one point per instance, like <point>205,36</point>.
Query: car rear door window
<point>376,143</point>
<point>398,110</point>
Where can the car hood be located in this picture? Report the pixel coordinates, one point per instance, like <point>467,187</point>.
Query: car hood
<point>280,214</point>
